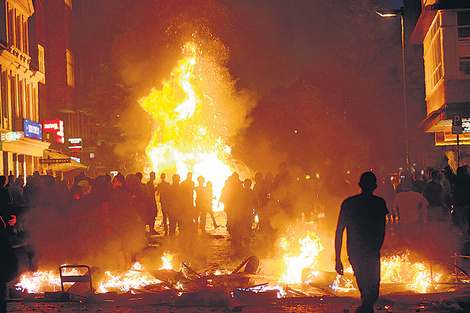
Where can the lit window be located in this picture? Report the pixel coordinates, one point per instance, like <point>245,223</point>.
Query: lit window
<point>433,57</point>
<point>42,64</point>
<point>69,3</point>
<point>70,69</point>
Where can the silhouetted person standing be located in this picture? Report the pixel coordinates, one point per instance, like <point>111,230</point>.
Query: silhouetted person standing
<point>174,205</point>
<point>363,216</point>
<point>230,197</point>
<point>151,189</point>
<point>8,265</point>
<point>164,193</point>
<point>203,202</point>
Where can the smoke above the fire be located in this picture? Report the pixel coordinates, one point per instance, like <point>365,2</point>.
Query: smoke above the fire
<point>323,78</point>
<point>220,107</point>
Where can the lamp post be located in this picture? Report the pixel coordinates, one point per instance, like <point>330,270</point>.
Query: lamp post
<point>394,13</point>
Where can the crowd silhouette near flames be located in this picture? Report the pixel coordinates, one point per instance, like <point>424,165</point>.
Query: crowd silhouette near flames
<point>110,222</point>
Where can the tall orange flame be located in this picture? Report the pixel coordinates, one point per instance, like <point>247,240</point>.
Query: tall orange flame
<point>184,140</point>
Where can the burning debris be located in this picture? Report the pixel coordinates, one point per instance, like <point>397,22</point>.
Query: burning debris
<point>296,271</point>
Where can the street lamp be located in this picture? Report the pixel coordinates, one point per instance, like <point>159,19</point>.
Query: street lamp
<point>394,13</point>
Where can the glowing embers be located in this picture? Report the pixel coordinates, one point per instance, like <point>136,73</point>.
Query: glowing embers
<point>279,290</point>
<point>416,276</point>
<point>188,130</point>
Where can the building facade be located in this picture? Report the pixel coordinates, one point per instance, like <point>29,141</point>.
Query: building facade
<point>21,132</point>
<point>443,29</point>
<point>52,46</point>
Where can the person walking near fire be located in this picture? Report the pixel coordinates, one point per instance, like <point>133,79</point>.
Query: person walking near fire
<point>363,217</point>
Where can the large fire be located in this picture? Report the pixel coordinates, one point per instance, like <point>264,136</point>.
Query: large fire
<point>300,254</point>
<point>185,138</point>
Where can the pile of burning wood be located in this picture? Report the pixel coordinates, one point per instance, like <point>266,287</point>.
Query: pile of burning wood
<point>186,287</point>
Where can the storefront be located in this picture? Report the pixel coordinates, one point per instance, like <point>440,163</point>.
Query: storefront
<point>20,154</point>
<point>59,164</point>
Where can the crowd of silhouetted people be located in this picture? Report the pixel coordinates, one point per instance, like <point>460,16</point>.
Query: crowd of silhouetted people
<point>52,219</point>
<point>430,208</point>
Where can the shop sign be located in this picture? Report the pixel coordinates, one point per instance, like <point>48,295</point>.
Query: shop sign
<point>32,129</point>
<point>56,127</point>
<point>466,125</point>
<point>449,139</point>
<point>12,136</point>
<point>51,126</point>
<point>54,161</point>
<point>75,144</point>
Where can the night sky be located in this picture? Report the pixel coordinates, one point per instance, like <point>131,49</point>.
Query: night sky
<point>326,74</point>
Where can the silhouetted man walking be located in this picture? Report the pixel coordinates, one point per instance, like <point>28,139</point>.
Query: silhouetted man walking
<point>363,216</point>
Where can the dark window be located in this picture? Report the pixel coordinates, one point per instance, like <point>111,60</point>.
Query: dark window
<point>463,18</point>
<point>464,32</point>
<point>465,67</point>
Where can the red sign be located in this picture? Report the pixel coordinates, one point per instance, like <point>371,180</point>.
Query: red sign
<point>57,127</point>
<point>51,126</point>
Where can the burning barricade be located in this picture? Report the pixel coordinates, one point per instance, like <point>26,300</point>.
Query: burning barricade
<point>297,270</point>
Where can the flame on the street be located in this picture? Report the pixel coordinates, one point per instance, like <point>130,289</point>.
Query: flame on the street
<point>43,280</point>
<point>299,254</point>
<point>39,281</point>
<point>167,260</point>
<point>185,137</point>
<point>342,284</point>
<point>281,293</point>
<point>135,278</point>
<point>399,269</point>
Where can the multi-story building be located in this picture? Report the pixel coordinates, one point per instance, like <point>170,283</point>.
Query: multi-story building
<point>21,132</point>
<point>443,29</point>
<point>52,51</point>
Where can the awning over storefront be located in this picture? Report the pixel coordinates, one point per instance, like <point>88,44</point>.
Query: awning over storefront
<point>26,146</point>
<point>51,154</point>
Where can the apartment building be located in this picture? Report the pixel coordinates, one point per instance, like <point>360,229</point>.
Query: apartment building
<point>443,29</point>
<point>21,130</point>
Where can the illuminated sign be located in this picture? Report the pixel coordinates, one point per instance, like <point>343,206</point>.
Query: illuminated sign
<point>54,161</point>
<point>32,129</point>
<point>57,127</point>
<point>449,139</point>
<point>11,136</point>
<point>466,125</point>
<point>51,126</point>
<point>75,144</point>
